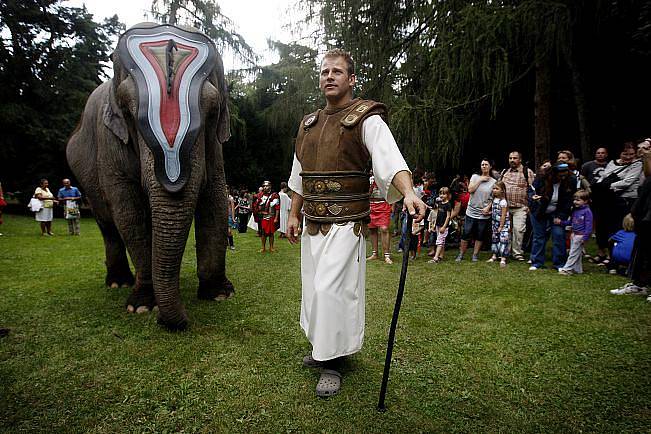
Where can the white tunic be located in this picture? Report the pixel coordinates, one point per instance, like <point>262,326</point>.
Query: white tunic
<point>333,267</point>
<point>285,206</point>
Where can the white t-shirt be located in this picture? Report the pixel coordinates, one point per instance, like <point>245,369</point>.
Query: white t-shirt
<point>480,198</point>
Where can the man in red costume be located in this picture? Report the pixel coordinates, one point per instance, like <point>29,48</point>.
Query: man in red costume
<point>267,207</point>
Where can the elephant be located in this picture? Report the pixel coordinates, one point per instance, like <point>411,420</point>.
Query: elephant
<point>148,153</point>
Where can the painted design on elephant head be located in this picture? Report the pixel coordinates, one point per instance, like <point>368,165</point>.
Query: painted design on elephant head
<point>169,66</point>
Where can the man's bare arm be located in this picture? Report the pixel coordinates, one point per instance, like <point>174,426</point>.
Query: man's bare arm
<point>415,206</point>
<point>294,218</point>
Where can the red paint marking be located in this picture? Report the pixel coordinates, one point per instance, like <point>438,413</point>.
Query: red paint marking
<point>170,109</point>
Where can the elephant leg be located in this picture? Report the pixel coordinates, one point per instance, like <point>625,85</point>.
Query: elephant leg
<point>142,297</point>
<point>211,221</point>
<point>82,155</point>
<point>130,214</point>
<point>118,272</point>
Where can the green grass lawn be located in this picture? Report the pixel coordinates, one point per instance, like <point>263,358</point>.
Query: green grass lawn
<point>477,349</point>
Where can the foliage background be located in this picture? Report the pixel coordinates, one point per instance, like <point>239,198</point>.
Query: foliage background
<point>462,79</point>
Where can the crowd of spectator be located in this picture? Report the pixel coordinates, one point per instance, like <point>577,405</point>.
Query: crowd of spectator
<point>517,210</point>
<point>264,211</point>
<point>510,212</point>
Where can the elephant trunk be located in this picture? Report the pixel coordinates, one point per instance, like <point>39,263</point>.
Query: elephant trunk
<point>171,218</point>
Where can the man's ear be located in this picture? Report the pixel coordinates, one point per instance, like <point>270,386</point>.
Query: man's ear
<point>352,80</point>
<point>113,118</point>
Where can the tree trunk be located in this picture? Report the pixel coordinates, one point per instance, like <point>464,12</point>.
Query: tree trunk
<point>581,105</point>
<point>174,7</point>
<point>542,106</point>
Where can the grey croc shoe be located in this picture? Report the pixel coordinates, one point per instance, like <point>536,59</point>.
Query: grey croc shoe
<point>309,362</point>
<point>329,383</point>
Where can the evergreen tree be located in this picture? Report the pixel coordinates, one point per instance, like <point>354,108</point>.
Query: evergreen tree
<point>50,61</point>
<point>206,16</point>
<point>459,75</point>
<point>265,114</point>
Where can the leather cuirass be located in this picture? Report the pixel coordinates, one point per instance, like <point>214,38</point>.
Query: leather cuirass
<point>334,160</point>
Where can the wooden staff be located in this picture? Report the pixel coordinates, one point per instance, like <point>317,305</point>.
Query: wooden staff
<point>396,311</point>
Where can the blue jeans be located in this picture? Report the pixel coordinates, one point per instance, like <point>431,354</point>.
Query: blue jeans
<point>542,227</point>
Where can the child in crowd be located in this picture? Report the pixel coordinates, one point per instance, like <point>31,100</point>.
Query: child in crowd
<point>431,224</point>
<point>442,221</point>
<point>581,222</point>
<point>416,229</point>
<point>501,224</point>
<point>621,247</point>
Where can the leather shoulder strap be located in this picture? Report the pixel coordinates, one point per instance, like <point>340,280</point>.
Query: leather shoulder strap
<point>310,120</point>
<point>361,110</point>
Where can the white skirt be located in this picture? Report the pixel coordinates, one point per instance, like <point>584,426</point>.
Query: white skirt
<point>45,215</point>
<point>333,275</point>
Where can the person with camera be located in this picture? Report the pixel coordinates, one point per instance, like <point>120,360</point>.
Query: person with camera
<point>613,196</point>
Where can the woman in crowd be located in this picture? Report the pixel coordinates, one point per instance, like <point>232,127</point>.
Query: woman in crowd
<point>46,213</point>
<point>478,212</point>
<point>568,158</point>
<point>554,189</point>
<point>231,218</point>
<point>613,196</point>
<point>243,210</point>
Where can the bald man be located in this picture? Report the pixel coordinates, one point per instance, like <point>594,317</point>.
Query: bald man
<point>591,170</point>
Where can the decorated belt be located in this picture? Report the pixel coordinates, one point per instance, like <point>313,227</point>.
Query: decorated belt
<point>335,197</point>
<point>313,228</point>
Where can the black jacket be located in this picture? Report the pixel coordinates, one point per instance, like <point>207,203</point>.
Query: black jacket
<point>641,210</point>
<point>565,198</point>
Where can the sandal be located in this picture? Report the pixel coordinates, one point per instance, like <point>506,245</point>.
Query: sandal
<point>518,257</point>
<point>502,263</point>
<point>434,261</point>
<point>329,383</point>
<point>493,259</point>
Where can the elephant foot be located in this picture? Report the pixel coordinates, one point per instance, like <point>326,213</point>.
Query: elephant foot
<point>177,322</point>
<point>141,299</point>
<point>215,290</point>
<point>119,278</point>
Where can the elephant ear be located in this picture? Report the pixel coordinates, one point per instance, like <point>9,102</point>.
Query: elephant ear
<point>113,118</point>
<point>224,121</point>
<point>224,124</point>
